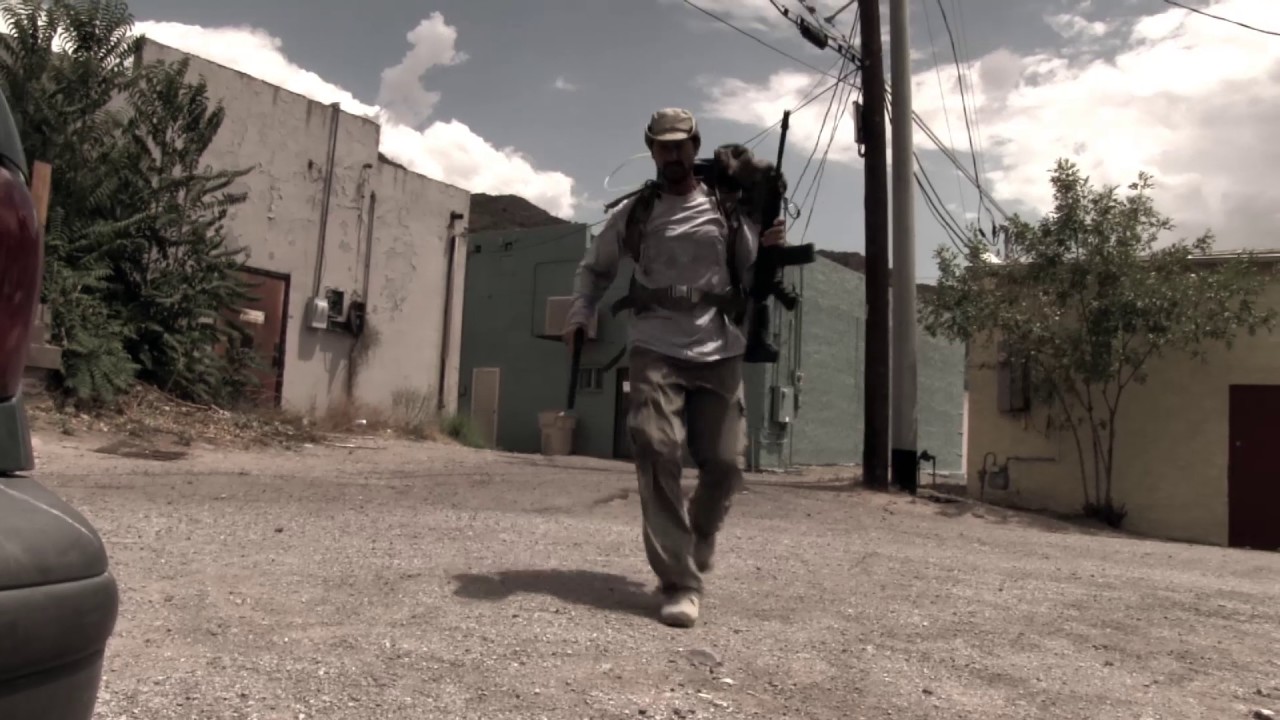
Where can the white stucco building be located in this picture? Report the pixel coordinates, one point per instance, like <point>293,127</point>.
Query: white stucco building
<point>327,217</point>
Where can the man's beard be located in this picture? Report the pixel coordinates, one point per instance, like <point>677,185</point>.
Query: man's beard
<point>675,172</point>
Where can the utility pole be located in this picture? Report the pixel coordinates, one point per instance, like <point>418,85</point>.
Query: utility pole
<point>905,462</point>
<point>875,445</point>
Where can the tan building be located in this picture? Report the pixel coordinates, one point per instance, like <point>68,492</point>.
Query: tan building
<point>1195,446</point>
<point>360,261</point>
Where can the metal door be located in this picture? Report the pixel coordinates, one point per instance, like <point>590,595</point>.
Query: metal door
<point>265,317</point>
<point>1253,478</point>
<point>485,387</point>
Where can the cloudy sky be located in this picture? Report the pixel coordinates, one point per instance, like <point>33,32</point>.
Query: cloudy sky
<point>545,98</point>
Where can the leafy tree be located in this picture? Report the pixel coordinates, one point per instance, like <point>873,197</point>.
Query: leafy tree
<point>138,273</point>
<point>61,65</point>
<point>179,275</point>
<point>1086,299</point>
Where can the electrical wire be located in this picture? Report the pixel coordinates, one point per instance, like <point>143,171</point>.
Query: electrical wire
<point>832,17</point>
<point>953,228</point>
<point>968,69</point>
<point>774,48</point>
<point>818,141</point>
<point>843,80</point>
<point>938,214</point>
<point>934,201</point>
<point>815,186</point>
<point>955,55</point>
<point>929,133</point>
<point>946,113</point>
<point>1246,26</point>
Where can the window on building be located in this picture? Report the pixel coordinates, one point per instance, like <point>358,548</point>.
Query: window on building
<point>1013,387</point>
<point>591,379</point>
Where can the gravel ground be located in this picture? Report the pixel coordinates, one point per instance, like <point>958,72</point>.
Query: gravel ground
<point>429,581</point>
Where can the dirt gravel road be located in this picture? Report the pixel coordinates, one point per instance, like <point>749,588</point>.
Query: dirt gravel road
<point>429,581</point>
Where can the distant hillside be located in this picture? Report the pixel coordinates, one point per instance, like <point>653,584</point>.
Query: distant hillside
<point>507,212</point>
<point>855,261</point>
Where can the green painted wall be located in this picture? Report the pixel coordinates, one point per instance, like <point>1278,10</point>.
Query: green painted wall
<point>823,342</point>
<point>510,275</point>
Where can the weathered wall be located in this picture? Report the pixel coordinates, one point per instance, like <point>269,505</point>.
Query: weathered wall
<point>286,139</point>
<point>1171,441</point>
<point>408,269</point>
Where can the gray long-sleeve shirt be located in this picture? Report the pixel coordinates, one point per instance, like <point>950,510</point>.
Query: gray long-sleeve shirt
<point>684,244</point>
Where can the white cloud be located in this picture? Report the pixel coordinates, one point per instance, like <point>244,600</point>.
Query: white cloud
<point>1192,100</point>
<point>448,151</point>
<point>401,94</point>
<point>1075,27</point>
<point>763,105</point>
<point>562,84</point>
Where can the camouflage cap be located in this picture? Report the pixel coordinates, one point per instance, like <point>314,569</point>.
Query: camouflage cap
<point>671,124</point>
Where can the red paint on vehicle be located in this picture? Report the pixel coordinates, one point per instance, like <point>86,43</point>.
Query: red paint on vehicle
<point>21,271</point>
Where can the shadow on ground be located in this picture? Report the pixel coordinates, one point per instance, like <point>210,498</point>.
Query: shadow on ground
<point>603,591</point>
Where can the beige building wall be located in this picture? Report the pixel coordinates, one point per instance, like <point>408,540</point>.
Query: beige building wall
<point>400,239</point>
<point>1171,443</point>
<point>409,273</point>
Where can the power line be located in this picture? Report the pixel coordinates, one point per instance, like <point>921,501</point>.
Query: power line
<point>937,142</point>
<point>714,16</point>
<point>844,79</point>
<point>954,230</point>
<point>968,68</point>
<point>818,141</point>
<point>1246,26</point>
<point>848,51</point>
<point>938,215</point>
<point>963,101</point>
<point>832,17</point>
<point>946,114</point>
<point>822,166</point>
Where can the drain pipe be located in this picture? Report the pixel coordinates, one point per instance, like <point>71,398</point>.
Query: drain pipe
<point>447,325</point>
<point>324,202</point>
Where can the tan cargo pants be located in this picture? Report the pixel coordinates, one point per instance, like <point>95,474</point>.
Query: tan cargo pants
<point>666,391</point>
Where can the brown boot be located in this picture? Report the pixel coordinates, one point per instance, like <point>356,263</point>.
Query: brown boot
<point>680,608</point>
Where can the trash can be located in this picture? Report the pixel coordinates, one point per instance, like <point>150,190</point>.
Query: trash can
<point>557,429</point>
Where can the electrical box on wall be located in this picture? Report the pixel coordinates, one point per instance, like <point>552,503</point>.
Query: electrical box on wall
<point>336,299</point>
<point>783,404</point>
<point>318,313</point>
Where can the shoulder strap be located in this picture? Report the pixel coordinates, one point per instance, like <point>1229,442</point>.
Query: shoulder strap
<point>733,221</point>
<point>633,236</point>
<point>637,217</point>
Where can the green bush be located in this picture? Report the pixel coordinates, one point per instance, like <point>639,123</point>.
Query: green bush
<point>138,272</point>
<point>460,428</point>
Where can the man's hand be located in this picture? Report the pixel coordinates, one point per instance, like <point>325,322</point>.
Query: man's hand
<point>776,235</point>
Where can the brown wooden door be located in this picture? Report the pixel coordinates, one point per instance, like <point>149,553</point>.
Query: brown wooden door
<point>264,316</point>
<point>1253,477</point>
<point>485,390</point>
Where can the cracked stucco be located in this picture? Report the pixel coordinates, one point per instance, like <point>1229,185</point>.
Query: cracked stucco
<point>285,138</point>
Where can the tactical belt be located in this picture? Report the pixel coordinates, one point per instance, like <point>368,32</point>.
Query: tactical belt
<point>677,298</point>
